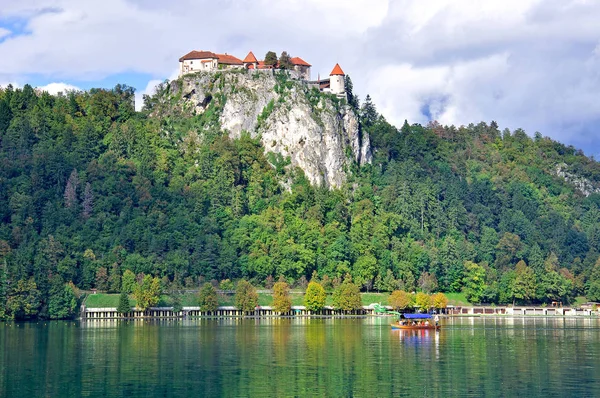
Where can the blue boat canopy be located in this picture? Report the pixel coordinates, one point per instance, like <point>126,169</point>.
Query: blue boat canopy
<point>417,316</point>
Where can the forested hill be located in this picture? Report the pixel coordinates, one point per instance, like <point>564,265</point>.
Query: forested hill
<point>90,188</point>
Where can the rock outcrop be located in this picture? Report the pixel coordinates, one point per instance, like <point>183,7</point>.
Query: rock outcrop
<point>582,184</point>
<point>314,131</point>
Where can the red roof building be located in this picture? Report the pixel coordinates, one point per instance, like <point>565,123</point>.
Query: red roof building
<point>299,61</point>
<point>337,71</point>
<point>227,59</point>
<point>250,58</point>
<point>197,55</point>
<point>196,61</point>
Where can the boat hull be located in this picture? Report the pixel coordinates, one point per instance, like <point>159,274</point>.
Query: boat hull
<point>396,326</point>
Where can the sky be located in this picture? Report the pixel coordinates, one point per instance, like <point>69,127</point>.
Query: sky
<point>530,64</point>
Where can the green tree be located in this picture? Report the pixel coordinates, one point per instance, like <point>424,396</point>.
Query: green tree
<point>23,301</point>
<point>207,298</point>
<point>62,303</point>
<point>5,116</point>
<point>524,283</point>
<point>422,301</point>
<point>270,58</point>
<point>352,98</point>
<point>365,269</point>
<point>314,298</point>
<point>474,282</point>
<point>147,293</point>
<point>368,113</point>
<point>400,300</point>
<point>102,281</point>
<point>347,296</point>
<point>284,61</point>
<point>124,304</point>
<point>246,298</point>
<point>282,302</point>
<point>128,281</point>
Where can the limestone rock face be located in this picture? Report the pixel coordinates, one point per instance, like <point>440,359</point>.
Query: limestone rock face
<point>316,132</point>
<point>582,184</point>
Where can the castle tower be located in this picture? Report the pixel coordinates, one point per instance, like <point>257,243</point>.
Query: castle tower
<point>250,62</point>
<point>337,81</point>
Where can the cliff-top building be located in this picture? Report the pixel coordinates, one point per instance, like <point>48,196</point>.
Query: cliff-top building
<point>203,61</point>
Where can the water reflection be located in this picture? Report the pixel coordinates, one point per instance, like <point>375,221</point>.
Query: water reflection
<point>306,356</point>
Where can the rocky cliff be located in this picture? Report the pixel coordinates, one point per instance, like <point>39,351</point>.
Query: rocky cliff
<point>296,123</point>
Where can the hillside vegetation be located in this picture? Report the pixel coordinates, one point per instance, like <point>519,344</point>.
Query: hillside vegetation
<point>90,188</point>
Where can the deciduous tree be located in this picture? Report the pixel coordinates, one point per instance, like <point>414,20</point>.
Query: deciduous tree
<point>270,58</point>
<point>347,296</point>
<point>282,302</point>
<point>207,298</point>
<point>314,298</point>
<point>422,301</point>
<point>147,294</point>
<point>400,300</point>
<point>439,301</point>
<point>246,298</point>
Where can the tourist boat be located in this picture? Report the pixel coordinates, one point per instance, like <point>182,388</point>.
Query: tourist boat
<point>415,322</point>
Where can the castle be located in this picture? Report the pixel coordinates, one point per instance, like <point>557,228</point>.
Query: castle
<point>199,61</point>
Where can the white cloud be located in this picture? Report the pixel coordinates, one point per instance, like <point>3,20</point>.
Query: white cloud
<point>524,63</point>
<point>4,32</point>
<point>55,88</point>
<point>149,90</point>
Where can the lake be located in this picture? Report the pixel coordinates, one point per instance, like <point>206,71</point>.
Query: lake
<point>533,357</point>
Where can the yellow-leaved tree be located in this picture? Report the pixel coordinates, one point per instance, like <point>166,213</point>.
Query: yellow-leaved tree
<point>281,297</point>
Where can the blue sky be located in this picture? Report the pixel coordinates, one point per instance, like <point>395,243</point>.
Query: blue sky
<point>531,64</point>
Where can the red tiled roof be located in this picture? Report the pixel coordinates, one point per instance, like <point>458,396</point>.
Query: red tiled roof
<point>299,61</point>
<point>261,65</point>
<point>198,55</point>
<point>337,71</point>
<point>229,59</point>
<point>250,58</point>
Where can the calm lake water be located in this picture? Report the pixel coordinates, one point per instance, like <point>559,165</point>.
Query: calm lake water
<point>535,357</point>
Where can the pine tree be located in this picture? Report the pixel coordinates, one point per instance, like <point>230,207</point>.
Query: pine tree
<point>62,302</point>
<point>284,61</point>
<point>352,98</point>
<point>71,190</point>
<point>3,288</point>
<point>5,116</point>
<point>368,112</point>
<point>124,304</point>
<point>88,200</point>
